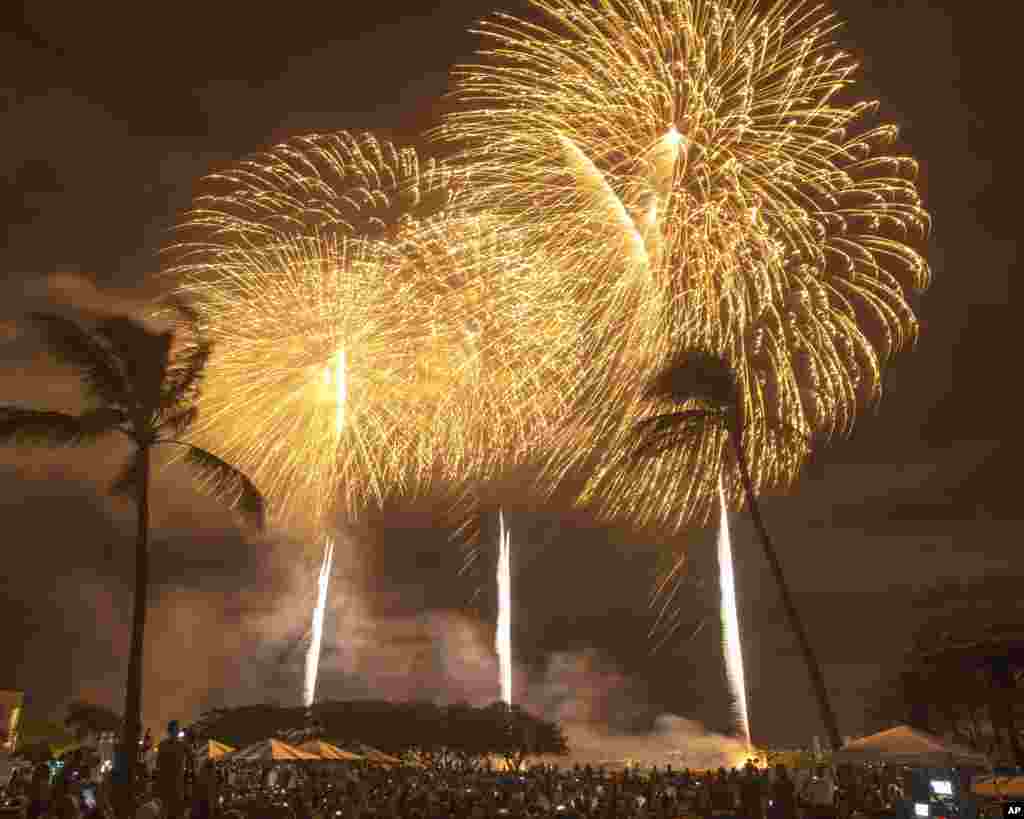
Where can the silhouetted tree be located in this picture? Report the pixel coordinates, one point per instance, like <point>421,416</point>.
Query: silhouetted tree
<point>34,751</point>
<point>86,719</point>
<point>962,672</point>
<point>38,732</point>
<point>454,737</point>
<point>704,390</point>
<point>134,387</point>
<point>519,734</point>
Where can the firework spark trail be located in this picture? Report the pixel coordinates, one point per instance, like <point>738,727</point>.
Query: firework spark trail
<point>503,632</point>
<point>313,654</point>
<point>731,643</point>
<point>697,169</point>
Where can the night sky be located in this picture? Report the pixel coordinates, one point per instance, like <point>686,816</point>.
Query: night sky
<point>112,112</point>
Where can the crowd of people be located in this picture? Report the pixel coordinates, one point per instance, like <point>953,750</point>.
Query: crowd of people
<point>178,788</point>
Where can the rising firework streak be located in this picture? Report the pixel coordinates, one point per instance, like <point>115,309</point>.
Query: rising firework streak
<point>733,649</point>
<point>313,655</point>
<point>503,635</point>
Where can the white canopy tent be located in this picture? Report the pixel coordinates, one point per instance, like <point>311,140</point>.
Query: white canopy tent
<point>904,745</point>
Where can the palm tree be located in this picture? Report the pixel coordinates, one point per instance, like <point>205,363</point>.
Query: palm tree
<point>134,387</point>
<point>705,389</point>
<point>86,720</point>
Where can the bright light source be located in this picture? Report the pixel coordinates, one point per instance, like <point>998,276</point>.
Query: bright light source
<point>920,809</point>
<point>943,787</point>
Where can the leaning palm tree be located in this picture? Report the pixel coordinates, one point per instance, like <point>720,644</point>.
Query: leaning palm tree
<point>133,386</point>
<point>703,391</point>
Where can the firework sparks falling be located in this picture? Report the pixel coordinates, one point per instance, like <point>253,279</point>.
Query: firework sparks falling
<point>503,633</point>
<point>520,337</point>
<point>313,654</point>
<point>342,299</point>
<point>696,165</point>
<point>733,647</point>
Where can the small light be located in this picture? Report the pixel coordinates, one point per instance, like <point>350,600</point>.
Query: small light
<point>920,809</point>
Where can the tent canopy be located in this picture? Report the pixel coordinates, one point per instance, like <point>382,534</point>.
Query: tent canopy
<point>271,750</point>
<point>212,749</point>
<point>324,750</point>
<point>1008,786</point>
<point>904,745</point>
<point>379,757</point>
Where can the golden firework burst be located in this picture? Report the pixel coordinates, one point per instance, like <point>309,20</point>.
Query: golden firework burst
<point>695,174</point>
<point>369,337</point>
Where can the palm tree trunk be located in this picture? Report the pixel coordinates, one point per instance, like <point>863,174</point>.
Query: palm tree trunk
<point>133,689</point>
<point>828,716</point>
<point>1003,682</point>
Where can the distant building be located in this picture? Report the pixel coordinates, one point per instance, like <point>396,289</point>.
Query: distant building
<point>10,714</point>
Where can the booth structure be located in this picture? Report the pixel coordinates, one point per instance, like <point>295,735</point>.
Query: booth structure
<point>10,714</point>
<point>212,749</point>
<point>270,750</point>
<point>934,776</point>
<point>904,745</point>
<point>328,752</point>
<point>1000,787</point>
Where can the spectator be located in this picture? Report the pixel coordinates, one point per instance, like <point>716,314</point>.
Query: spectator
<point>818,795</point>
<point>39,791</point>
<point>750,794</point>
<point>206,792</point>
<point>64,800</point>
<point>170,773</point>
<point>18,784</point>
<point>783,795</point>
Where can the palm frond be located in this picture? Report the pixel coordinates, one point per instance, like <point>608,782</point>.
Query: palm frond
<point>44,428</point>
<point>660,433</point>
<point>144,357</point>
<point>126,484</point>
<point>184,309</point>
<point>667,421</point>
<point>93,362</point>
<point>180,422</point>
<point>184,375</point>
<point>225,481</point>
<point>185,371</point>
<point>101,420</point>
<point>696,375</point>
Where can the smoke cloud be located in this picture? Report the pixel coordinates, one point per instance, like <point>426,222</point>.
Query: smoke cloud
<point>245,645</point>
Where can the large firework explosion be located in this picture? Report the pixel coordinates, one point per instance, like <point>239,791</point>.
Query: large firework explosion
<point>368,336</point>
<point>698,171</point>
<point>523,336</point>
<point>327,373</point>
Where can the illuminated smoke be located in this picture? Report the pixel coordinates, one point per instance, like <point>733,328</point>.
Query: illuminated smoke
<point>313,655</point>
<point>733,650</point>
<point>503,633</point>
